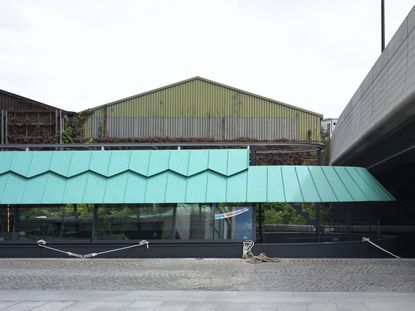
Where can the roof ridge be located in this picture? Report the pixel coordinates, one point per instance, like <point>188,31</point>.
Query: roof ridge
<point>207,81</point>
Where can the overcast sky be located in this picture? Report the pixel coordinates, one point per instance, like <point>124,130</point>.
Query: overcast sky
<point>77,54</point>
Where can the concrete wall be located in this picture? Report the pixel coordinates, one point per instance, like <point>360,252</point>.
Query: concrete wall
<point>383,103</point>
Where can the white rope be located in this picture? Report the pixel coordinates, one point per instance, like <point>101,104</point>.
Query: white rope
<point>42,243</point>
<point>247,254</point>
<point>248,245</point>
<point>375,245</point>
<point>141,243</point>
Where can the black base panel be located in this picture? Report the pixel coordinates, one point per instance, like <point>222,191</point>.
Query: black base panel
<point>354,249</point>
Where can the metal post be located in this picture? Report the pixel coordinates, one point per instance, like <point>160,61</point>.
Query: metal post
<point>349,225</point>
<point>6,139</point>
<point>173,223</point>
<point>62,227</point>
<point>60,126</point>
<point>382,4</point>
<point>15,216</point>
<point>260,224</point>
<point>75,212</point>
<point>94,223</point>
<point>377,228</point>
<point>252,155</point>
<point>2,127</point>
<point>319,156</point>
<point>56,123</point>
<point>317,222</point>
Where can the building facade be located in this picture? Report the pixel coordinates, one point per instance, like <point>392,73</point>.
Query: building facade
<point>26,121</point>
<point>200,108</point>
<point>328,125</point>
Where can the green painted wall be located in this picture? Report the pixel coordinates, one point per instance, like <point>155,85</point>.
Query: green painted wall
<point>203,108</point>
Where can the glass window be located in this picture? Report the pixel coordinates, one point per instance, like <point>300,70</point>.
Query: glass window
<point>50,223</point>
<point>150,221</point>
<point>6,223</point>
<point>128,222</point>
<point>213,222</point>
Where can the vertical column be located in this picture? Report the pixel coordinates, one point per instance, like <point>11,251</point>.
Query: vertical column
<point>173,224</point>
<point>60,126</point>
<point>56,123</point>
<point>252,155</point>
<point>2,127</point>
<point>105,121</point>
<point>6,139</point>
<point>317,222</point>
<point>94,223</point>
<point>15,218</point>
<point>319,156</point>
<point>260,224</point>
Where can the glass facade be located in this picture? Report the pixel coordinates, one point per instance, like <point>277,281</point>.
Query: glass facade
<point>52,223</point>
<point>128,222</point>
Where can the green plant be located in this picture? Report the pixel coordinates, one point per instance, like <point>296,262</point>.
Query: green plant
<point>74,125</point>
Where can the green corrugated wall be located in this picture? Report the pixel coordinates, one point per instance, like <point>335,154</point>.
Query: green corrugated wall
<point>202,108</point>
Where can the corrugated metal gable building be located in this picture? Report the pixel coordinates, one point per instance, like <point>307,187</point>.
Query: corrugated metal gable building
<point>202,108</point>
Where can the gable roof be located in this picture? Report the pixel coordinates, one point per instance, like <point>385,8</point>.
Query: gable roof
<point>197,78</point>
<point>20,100</point>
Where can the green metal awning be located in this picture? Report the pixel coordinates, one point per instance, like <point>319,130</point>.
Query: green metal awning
<point>174,176</point>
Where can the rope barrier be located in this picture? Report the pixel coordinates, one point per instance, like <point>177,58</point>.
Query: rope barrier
<point>247,254</point>
<point>42,243</point>
<point>375,245</point>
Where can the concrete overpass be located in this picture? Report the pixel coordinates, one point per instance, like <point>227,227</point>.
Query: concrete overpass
<point>376,130</point>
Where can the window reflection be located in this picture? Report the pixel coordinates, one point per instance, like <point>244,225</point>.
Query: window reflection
<point>62,222</point>
<point>135,222</point>
<point>127,222</point>
<point>213,222</point>
<point>6,223</point>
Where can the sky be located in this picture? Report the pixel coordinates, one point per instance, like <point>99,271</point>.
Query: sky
<point>78,54</point>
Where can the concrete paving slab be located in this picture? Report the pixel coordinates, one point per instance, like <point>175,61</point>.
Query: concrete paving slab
<point>25,305</point>
<point>112,306</point>
<point>5,304</point>
<point>201,306</point>
<point>195,300</point>
<point>53,306</point>
<point>231,306</point>
<point>84,306</point>
<point>352,306</point>
<point>321,306</point>
<point>262,306</point>
<point>145,304</point>
<point>292,306</point>
<point>172,306</point>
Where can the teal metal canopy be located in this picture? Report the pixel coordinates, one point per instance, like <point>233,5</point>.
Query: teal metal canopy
<point>174,176</point>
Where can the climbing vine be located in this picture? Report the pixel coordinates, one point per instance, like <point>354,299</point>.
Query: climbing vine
<point>74,127</point>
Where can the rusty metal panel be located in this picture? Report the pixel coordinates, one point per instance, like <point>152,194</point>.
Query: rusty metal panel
<point>203,108</point>
<point>2,119</point>
<point>10,101</point>
<point>25,120</point>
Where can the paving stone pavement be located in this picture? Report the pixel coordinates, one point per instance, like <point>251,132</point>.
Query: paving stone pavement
<point>208,284</point>
<point>327,275</point>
